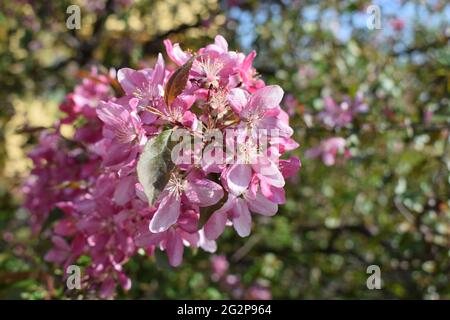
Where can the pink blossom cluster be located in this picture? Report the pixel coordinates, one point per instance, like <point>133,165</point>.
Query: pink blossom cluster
<point>232,284</point>
<point>328,150</point>
<point>335,116</point>
<point>113,204</point>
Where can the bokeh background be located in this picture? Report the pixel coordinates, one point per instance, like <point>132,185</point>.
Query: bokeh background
<point>386,204</point>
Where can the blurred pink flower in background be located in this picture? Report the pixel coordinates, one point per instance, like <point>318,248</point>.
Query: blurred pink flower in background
<point>328,150</point>
<point>339,115</point>
<point>232,283</point>
<point>258,292</point>
<point>219,264</point>
<point>291,105</point>
<point>397,24</point>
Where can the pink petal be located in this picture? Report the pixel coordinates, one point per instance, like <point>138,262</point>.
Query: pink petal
<point>329,159</point>
<point>288,144</point>
<point>237,98</point>
<point>78,245</point>
<point>124,191</point>
<point>238,178</point>
<point>276,195</point>
<point>203,192</point>
<point>188,221</point>
<point>65,227</point>
<point>107,288</point>
<point>175,53</point>
<point>270,123</point>
<point>221,42</point>
<point>268,171</point>
<point>116,154</point>
<point>206,244</point>
<point>248,61</point>
<point>242,220</point>
<point>189,120</point>
<point>88,225</point>
<point>148,117</point>
<point>191,238</point>
<point>260,204</point>
<point>147,239</point>
<point>124,281</point>
<point>130,79</point>
<point>56,256</point>
<point>174,248</point>
<point>167,213</point>
<point>268,97</point>
<point>216,223</point>
<point>159,72</point>
<point>289,167</point>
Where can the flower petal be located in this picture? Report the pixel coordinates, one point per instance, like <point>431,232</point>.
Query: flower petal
<point>238,178</point>
<point>260,204</point>
<point>148,239</point>
<point>203,192</point>
<point>124,190</point>
<point>266,98</point>
<point>159,72</point>
<point>216,223</point>
<point>130,80</point>
<point>289,167</point>
<point>268,171</point>
<point>242,219</point>
<point>206,244</point>
<point>167,213</point>
<point>221,42</point>
<point>175,53</point>
<point>237,98</point>
<point>175,248</point>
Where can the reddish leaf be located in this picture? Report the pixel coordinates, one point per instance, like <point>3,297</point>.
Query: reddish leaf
<point>177,81</point>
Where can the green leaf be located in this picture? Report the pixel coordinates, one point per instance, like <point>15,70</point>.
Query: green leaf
<point>177,82</point>
<point>154,165</point>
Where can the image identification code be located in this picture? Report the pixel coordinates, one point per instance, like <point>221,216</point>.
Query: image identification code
<point>232,309</point>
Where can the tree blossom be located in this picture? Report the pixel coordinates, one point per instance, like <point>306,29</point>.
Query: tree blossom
<point>232,284</point>
<point>337,115</point>
<point>328,150</point>
<point>116,191</point>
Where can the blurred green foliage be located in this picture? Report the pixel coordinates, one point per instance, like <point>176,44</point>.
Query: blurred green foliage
<point>388,205</point>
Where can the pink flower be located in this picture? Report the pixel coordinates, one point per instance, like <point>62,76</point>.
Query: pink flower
<point>195,188</point>
<point>257,292</point>
<point>261,110</point>
<point>60,252</point>
<point>247,74</point>
<point>291,104</point>
<point>123,132</point>
<point>397,24</point>
<point>146,85</point>
<point>238,210</point>
<point>171,240</point>
<point>86,96</point>
<point>328,150</point>
<point>340,115</point>
<point>220,266</point>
